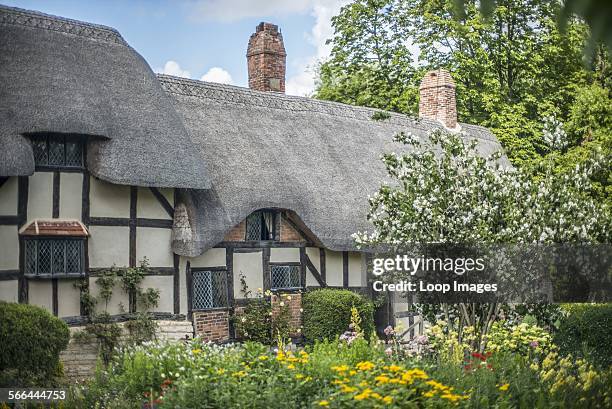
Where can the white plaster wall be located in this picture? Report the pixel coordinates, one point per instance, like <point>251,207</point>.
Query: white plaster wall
<point>109,245</point>
<point>40,293</point>
<point>147,205</point>
<point>333,261</point>
<point>355,265</point>
<point>283,255</point>
<point>118,298</point>
<point>313,254</point>
<point>8,197</point>
<point>9,290</point>
<point>251,265</point>
<point>166,289</point>
<point>71,195</point>
<point>214,257</point>
<point>40,196</point>
<point>9,248</point>
<point>108,200</point>
<point>68,299</point>
<point>155,245</point>
<point>183,284</point>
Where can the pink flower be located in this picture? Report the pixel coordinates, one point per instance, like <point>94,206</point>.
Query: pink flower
<point>389,351</point>
<point>389,331</point>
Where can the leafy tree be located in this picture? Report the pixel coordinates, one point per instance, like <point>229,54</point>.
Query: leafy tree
<point>512,69</point>
<point>445,192</point>
<point>370,60</point>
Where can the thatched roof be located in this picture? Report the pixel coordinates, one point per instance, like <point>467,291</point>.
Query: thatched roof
<point>65,76</point>
<point>268,150</point>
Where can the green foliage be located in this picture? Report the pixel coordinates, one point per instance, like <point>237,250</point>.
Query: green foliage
<point>31,340</point>
<point>512,68</point>
<point>108,333</point>
<point>327,313</point>
<point>337,375</point>
<point>586,331</point>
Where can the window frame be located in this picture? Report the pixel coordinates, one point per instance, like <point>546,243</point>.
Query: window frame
<point>64,140</point>
<point>276,214</point>
<point>52,275</point>
<point>225,291</point>
<point>290,264</point>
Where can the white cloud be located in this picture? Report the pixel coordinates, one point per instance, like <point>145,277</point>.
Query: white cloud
<point>217,74</point>
<point>234,10</point>
<point>323,10</point>
<point>173,68</point>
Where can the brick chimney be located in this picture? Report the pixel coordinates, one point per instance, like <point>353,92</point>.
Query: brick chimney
<point>266,58</point>
<point>437,98</point>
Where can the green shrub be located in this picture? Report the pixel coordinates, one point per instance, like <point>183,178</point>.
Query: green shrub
<point>30,342</point>
<point>327,313</point>
<point>586,331</point>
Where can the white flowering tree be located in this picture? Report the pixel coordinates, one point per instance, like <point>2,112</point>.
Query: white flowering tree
<point>444,191</point>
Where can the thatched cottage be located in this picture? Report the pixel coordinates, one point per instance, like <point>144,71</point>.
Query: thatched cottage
<point>104,163</point>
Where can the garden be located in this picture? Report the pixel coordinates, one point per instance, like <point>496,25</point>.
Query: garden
<point>533,356</point>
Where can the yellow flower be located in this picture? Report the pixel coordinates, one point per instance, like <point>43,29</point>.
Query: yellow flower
<point>337,382</point>
<point>504,387</point>
<point>351,372</point>
<point>429,394</point>
<point>196,351</point>
<point>299,376</point>
<point>376,395</point>
<point>364,395</point>
<point>394,368</point>
<point>263,357</point>
<point>340,368</point>
<point>387,400</point>
<point>220,371</point>
<point>365,366</point>
<point>323,403</point>
<point>348,389</point>
<point>382,379</point>
<point>239,374</point>
<point>290,366</point>
<point>363,384</point>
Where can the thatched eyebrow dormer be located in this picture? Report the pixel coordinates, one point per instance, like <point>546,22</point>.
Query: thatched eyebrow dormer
<point>69,77</point>
<point>318,159</point>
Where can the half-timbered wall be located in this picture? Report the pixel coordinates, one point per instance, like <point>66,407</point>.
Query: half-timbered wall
<point>126,224</point>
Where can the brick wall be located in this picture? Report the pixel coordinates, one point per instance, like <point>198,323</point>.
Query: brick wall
<point>237,233</point>
<point>294,302</point>
<point>437,98</point>
<point>288,233</point>
<point>266,59</point>
<point>212,325</point>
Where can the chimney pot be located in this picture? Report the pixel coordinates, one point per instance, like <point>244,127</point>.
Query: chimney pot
<point>266,58</point>
<point>437,98</point>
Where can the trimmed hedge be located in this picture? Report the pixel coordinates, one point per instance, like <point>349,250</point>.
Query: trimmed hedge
<point>31,340</point>
<point>586,331</point>
<point>327,313</point>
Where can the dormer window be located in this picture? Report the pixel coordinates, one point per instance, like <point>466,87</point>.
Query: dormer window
<point>57,151</point>
<point>261,225</point>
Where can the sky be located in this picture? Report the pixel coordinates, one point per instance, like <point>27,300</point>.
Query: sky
<point>207,39</point>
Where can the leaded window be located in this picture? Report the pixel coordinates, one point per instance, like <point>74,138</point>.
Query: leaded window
<point>285,277</point>
<point>261,225</point>
<point>209,289</point>
<point>57,151</point>
<point>54,257</point>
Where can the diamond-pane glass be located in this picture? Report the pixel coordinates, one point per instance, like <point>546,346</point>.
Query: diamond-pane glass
<point>285,277</point>
<point>253,226</point>
<point>59,256</point>
<point>30,256</point>
<point>74,153</point>
<point>56,152</point>
<point>209,289</point>
<point>44,257</point>
<point>56,257</point>
<point>39,146</point>
<point>73,256</point>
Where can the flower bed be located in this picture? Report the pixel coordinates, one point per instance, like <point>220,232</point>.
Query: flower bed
<point>335,375</point>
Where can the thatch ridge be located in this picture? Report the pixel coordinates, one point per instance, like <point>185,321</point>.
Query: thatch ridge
<point>318,159</point>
